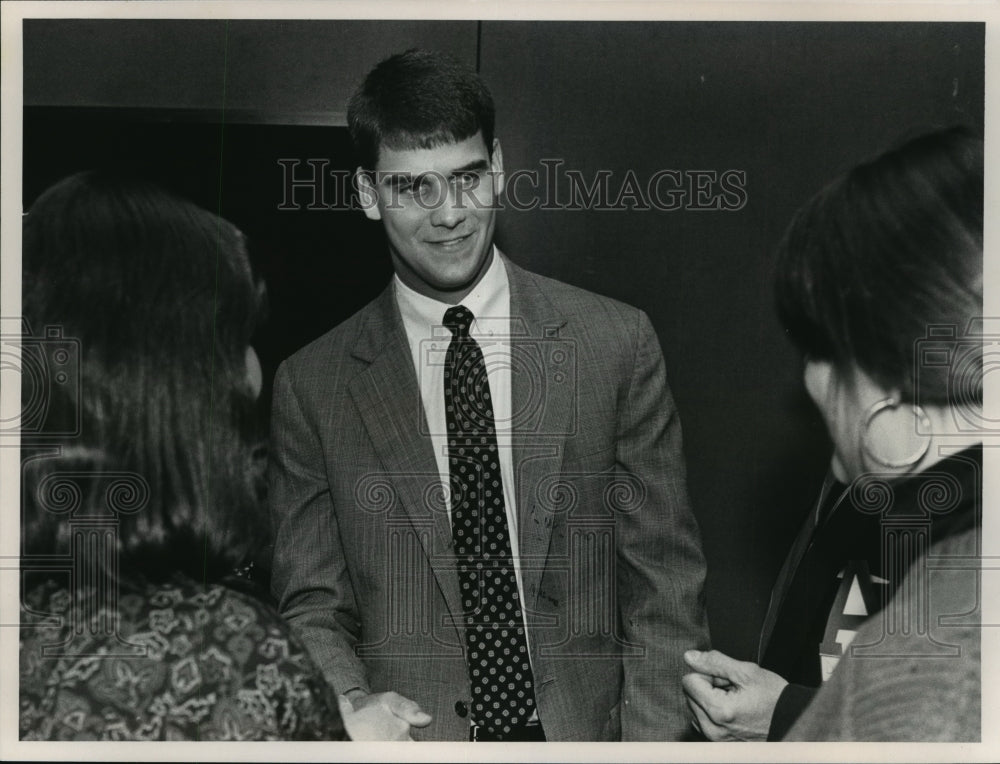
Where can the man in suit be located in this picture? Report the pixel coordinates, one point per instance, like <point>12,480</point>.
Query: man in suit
<point>478,490</point>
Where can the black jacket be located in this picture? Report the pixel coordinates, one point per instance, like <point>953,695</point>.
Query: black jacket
<point>854,545</point>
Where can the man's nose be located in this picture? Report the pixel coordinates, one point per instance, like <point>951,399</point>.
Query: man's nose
<point>452,208</point>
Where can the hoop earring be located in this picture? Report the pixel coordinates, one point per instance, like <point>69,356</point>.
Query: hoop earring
<point>877,408</point>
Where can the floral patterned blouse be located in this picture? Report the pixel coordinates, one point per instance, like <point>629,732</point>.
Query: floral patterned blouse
<point>183,662</point>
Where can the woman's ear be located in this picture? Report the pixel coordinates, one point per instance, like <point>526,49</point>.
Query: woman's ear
<point>827,389</point>
<point>820,379</point>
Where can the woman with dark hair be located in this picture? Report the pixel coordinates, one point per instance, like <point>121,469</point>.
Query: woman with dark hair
<point>142,526</point>
<point>879,284</point>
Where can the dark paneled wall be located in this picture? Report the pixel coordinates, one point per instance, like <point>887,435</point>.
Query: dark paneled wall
<point>789,105</point>
<point>287,72</point>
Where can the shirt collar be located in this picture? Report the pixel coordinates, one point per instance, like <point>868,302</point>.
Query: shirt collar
<point>489,302</point>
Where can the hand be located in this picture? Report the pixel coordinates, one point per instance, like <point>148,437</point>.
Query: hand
<point>380,715</point>
<point>730,699</point>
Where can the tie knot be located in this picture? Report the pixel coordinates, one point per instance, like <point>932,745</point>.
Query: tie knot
<point>458,319</point>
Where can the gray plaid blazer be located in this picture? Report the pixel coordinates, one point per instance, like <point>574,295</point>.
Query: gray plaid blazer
<point>611,563</point>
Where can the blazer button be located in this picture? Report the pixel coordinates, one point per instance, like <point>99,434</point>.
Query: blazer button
<point>461,709</point>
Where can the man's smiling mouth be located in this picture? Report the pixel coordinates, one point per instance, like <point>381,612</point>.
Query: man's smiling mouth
<point>452,242</point>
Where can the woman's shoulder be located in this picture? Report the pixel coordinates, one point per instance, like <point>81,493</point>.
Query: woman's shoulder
<point>186,661</point>
<point>921,684</point>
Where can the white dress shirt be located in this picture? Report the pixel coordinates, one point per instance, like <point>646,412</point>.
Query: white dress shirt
<point>423,319</point>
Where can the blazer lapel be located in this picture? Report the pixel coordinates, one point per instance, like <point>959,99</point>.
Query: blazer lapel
<point>543,408</point>
<point>388,398</point>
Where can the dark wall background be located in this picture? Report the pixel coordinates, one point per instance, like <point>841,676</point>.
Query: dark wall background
<point>208,108</point>
<point>790,104</point>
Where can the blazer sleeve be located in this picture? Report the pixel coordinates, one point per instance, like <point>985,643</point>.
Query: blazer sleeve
<point>309,579</point>
<point>661,569</point>
<point>791,703</point>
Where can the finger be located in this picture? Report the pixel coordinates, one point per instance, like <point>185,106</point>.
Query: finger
<point>715,663</point>
<point>721,682</point>
<point>421,719</point>
<point>407,710</point>
<point>715,704</point>
<point>705,725</point>
<point>717,681</point>
<point>699,688</point>
<point>691,711</point>
<point>375,722</point>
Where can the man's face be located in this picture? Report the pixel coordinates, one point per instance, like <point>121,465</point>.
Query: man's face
<point>438,209</point>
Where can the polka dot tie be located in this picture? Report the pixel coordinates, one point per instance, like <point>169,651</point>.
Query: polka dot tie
<point>499,670</point>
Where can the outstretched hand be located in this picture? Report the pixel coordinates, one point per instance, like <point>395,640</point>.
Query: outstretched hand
<point>381,716</point>
<point>730,699</point>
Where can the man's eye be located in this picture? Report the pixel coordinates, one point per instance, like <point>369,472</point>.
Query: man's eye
<point>415,187</point>
<point>468,180</point>
<point>411,186</point>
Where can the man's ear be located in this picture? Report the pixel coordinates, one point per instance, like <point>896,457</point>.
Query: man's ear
<point>496,167</point>
<point>367,193</point>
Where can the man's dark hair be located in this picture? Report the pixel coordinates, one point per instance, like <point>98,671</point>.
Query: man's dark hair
<point>418,99</point>
<point>161,297</point>
<point>884,252</point>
